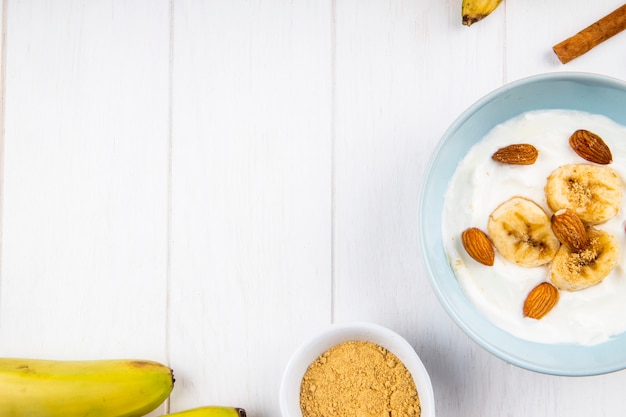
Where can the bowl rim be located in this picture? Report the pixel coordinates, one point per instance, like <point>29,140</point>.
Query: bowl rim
<point>336,333</point>
<point>520,360</point>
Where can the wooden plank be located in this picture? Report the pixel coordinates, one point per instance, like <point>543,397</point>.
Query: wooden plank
<point>84,219</point>
<point>393,105</point>
<point>404,71</point>
<point>251,195</point>
<point>3,6</point>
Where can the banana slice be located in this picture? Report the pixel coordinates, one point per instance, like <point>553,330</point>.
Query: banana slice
<point>574,270</point>
<point>522,233</point>
<point>593,192</point>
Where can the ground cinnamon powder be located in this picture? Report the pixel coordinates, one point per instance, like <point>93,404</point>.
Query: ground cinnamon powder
<point>358,379</point>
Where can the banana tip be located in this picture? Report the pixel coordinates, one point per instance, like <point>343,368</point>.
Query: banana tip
<point>470,20</point>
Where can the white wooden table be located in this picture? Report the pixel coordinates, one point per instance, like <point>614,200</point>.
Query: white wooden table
<point>208,183</point>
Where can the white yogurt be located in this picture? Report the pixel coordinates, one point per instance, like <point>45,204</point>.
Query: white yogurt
<point>480,184</point>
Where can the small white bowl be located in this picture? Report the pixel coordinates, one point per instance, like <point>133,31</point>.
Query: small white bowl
<point>289,396</point>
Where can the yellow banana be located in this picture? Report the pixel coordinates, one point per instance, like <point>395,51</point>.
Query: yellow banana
<point>211,411</point>
<point>102,388</point>
<point>475,10</point>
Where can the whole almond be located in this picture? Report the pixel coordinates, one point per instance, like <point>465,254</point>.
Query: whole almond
<point>517,154</point>
<point>478,246</point>
<point>540,300</point>
<point>569,229</point>
<point>590,147</point>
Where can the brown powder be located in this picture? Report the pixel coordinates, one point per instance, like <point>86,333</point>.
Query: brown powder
<point>358,379</point>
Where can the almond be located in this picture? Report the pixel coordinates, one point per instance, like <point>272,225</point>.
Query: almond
<point>569,229</point>
<point>540,300</point>
<point>478,246</point>
<point>590,147</point>
<point>517,154</point>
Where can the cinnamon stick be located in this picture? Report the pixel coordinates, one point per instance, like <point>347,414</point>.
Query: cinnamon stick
<point>591,36</point>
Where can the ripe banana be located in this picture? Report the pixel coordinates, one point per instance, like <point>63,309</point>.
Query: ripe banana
<point>593,192</point>
<point>103,388</point>
<point>475,10</point>
<point>522,232</point>
<point>211,411</point>
<point>573,270</point>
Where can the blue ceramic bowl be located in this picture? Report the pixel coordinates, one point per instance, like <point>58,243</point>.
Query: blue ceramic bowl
<point>564,90</point>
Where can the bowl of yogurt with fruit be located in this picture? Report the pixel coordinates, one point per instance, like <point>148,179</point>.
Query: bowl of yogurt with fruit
<point>522,223</point>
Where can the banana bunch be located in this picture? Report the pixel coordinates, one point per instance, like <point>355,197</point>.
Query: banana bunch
<point>106,388</point>
<point>476,10</point>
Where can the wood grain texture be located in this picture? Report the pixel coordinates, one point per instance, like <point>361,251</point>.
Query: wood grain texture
<point>3,42</point>
<point>534,27</point>
<point>251,195</point>
<point>403,75</point>
<point>208,183</point>
<point>84,217</point>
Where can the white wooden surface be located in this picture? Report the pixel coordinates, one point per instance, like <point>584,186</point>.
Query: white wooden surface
<point>207,183</point>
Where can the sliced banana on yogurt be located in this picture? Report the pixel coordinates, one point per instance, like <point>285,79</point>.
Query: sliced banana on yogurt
<point>521,232</point>
<point>593,192</point>
<point>573,270</point>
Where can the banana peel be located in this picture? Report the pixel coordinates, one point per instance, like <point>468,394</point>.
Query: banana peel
<point>98,388</point>
<point>95,388</point>
<point>476,10</point>
<point>210,411</point>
